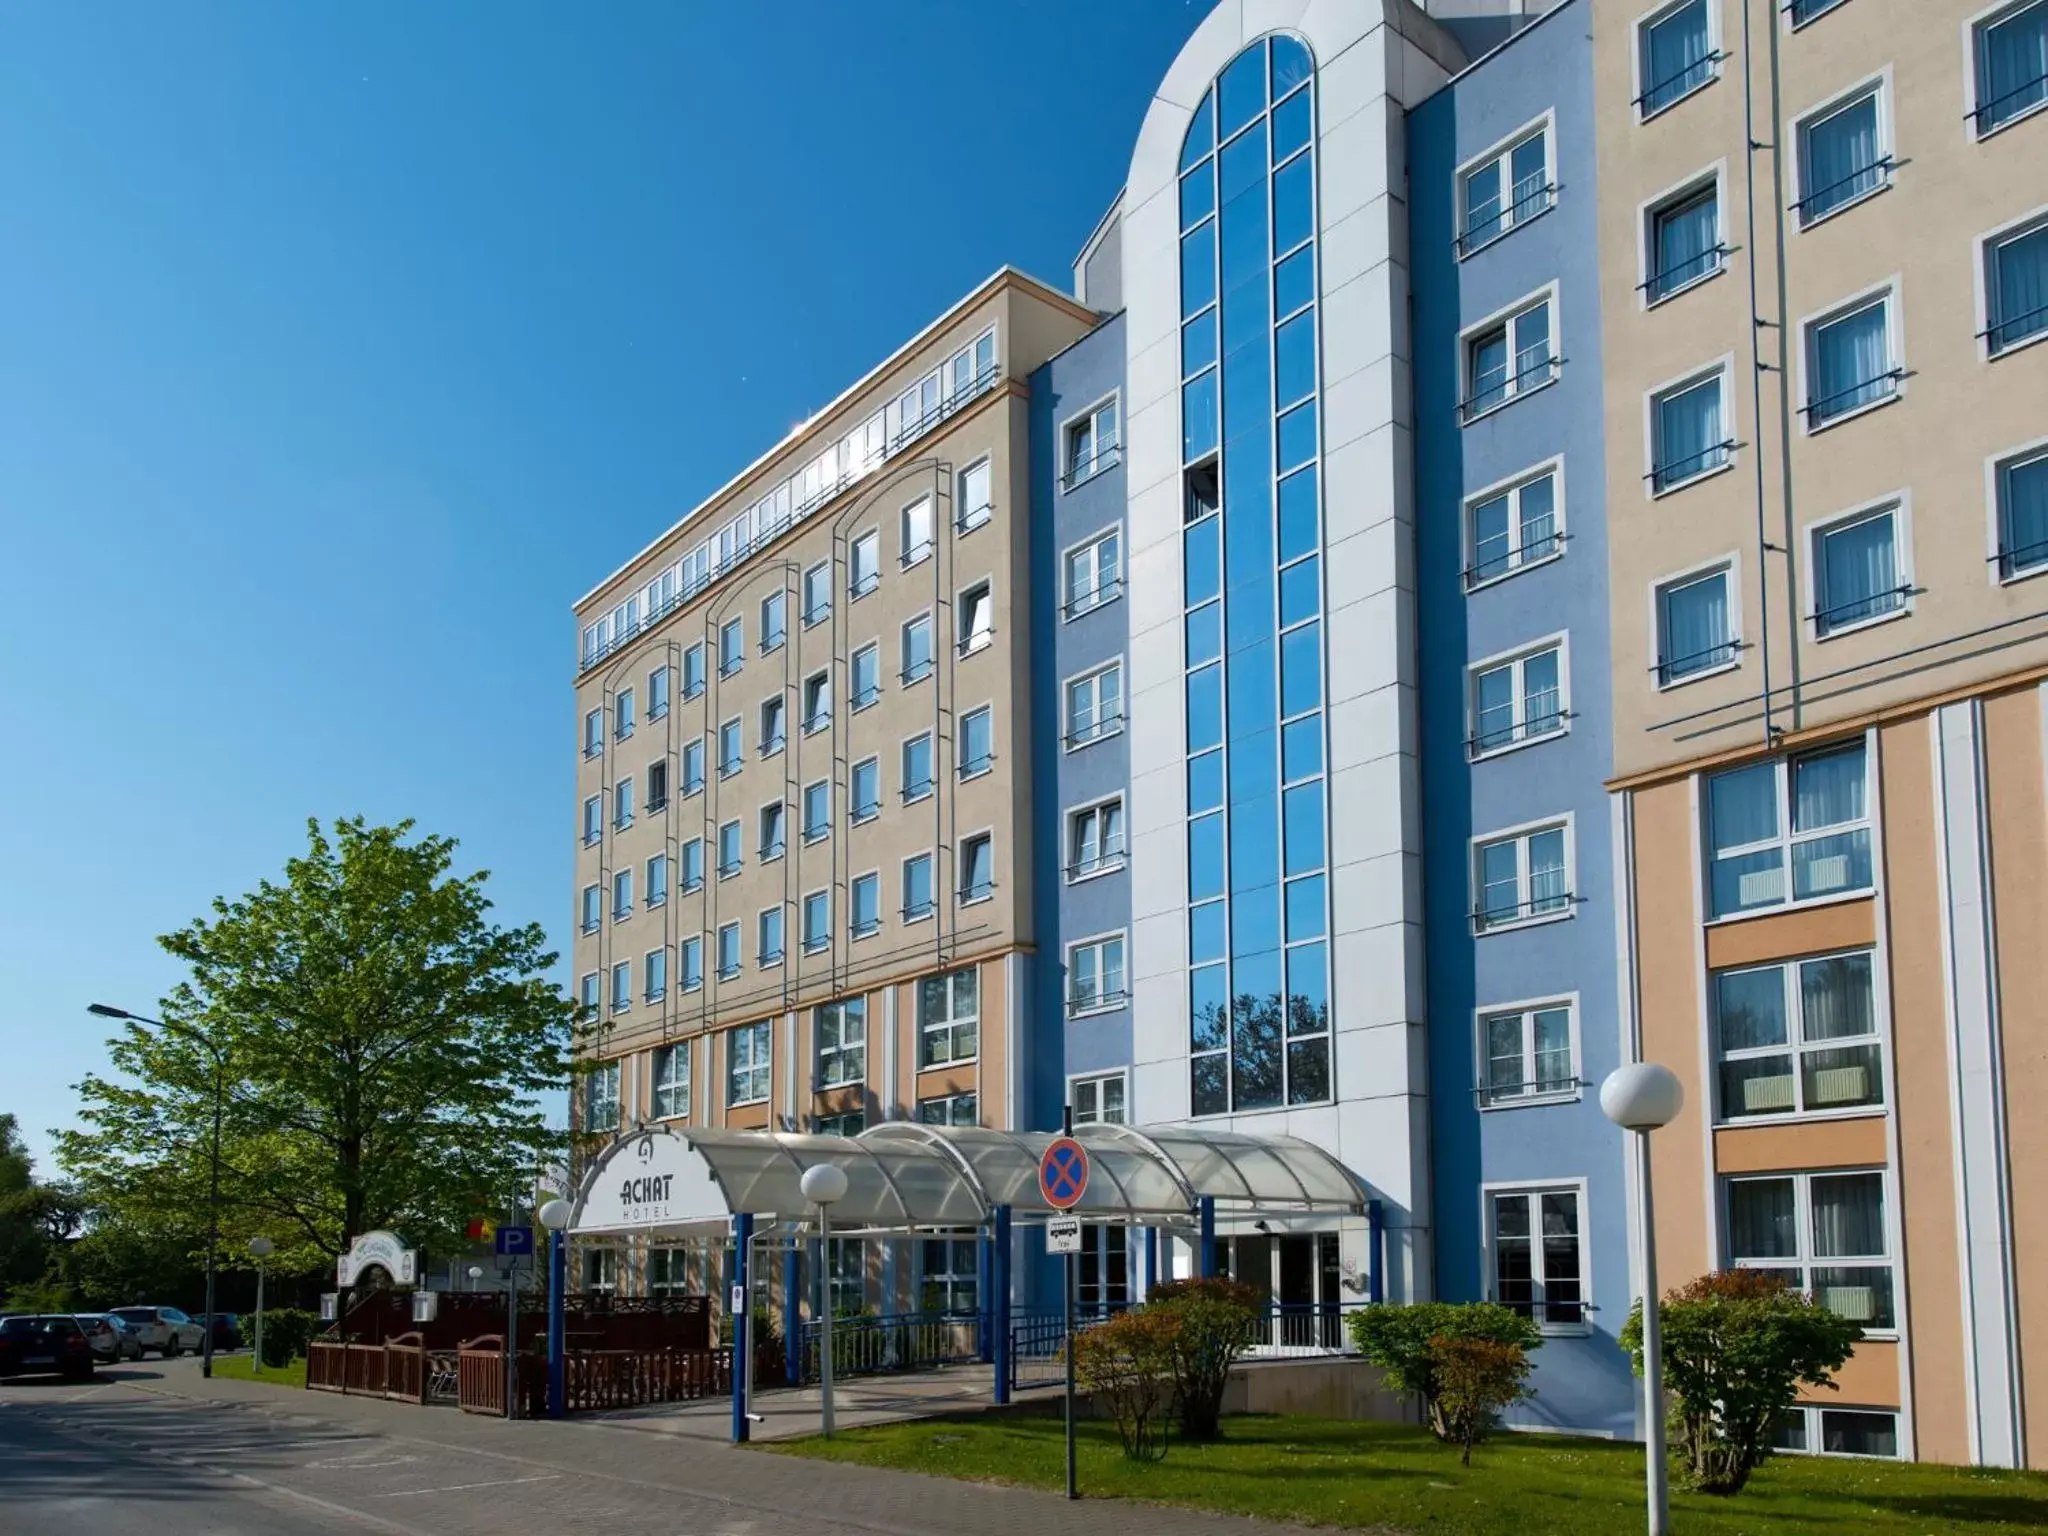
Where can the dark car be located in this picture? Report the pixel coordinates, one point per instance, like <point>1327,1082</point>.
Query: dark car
<point>45,1346</point>
<point>227,1329</point>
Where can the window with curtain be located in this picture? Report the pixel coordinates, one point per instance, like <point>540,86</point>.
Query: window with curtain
<point>601,1097</point>
<point>1675,56</point>
<point>1508,187</point>
<point>1803,11</point>
<point>842,1032</point>
<point>1528,1054</point>
<point>729,950</point>
<point>1856,569</point>
<point>672,1081</point>
<point>1095,975</point>
<point>977,867</point>
<point>1757,858</point>
<point>1824,1233</point>
<point>1693,630</point>
<point>1520,878</point>
<point>1799,1038</point>
<point>2016,284</point>
<point>977,742</point>
<point>1092,574</point>
<point>949,1017</point>
<point>1537,1263</point>
<point>2012,64</point>
<point>1508,358</point>
<point>865,905</point>
<point>1842,156</point>
<point>1517,701</point>
<point>1688,431</point>
<point>1513,528</point>
<point>817,921</point>
<point>747,1064</point>
<point>2023,514</point>
<point>1684,241</point>
<point>1849,361</point>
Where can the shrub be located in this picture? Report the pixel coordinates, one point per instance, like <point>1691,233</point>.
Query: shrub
<point>1737,1345</point>
<point>1126,1364</point>
<point>1397,1339</point>
<point>286,1332</point>
<point>770,1364</point>
<point>1476,1380</point>
<point>1214,1320</point>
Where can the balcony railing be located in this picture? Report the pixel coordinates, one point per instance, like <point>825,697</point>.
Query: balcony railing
<point>1840,402</point>
<point>1675,472</point>
<point>1681,275</point>
<point>1106,456</point>
<point>2007,105</point>
<point>1679,84</point>
<point>1495,389</point>
<point>2009,331</point>
<point>1856,609</point>
<point>1489,222</point>
<point>1671,669</point>
<point>1540,547</point>
<point>1823,201</point>
<point>1492,915</point>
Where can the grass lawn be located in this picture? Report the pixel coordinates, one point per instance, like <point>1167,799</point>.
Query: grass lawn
<point>1325,1472</point>
<point>243,1368</point>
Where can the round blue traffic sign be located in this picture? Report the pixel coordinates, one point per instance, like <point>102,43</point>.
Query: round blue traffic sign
<point>1063,1173</point>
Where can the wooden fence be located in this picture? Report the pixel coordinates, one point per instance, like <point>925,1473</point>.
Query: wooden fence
<point>405,1370</point>
<point>399,1368</point>
<point>625,1378</point>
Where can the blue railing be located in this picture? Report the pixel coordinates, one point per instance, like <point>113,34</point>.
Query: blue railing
<point>1285,1330</point>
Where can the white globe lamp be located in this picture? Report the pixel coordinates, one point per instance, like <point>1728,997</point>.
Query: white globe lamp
<point>824,1184</point>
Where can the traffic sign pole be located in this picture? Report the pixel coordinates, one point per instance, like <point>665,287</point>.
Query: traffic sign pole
<point>1073,1491</point>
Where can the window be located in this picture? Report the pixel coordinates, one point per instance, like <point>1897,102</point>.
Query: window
<point>774,728</point>
<point>1095,839</point>
<point>1851,362</point>
<point>593,820</point>
<point>916,531</point>
<point>842,1033</point>
<point>732,646</point>
<point>1103,1275</point>
<point>666,1275</point>
<point>1675,56</point>
<point>693,866</point>
<point>817,810</point>
<point>817,702</point>
<point>864,671</point>
<point>657,693</point>
<point>732,749</point>
<point>654,978</point>
<point>1095,975</point>
<point>1097,1100</point>
<point>622,986</point>
<point>953,1109</point>
<point>917,649</point>
<point>728,951</point>
<point>769,936</point>
<point>976,504</point>
<point>622,714</point>
<point>1695,633</point>
<point>690,955</point>
<point>1858,572</point>
<point>864,565</point>
<point>1798,1038</point>
<point>671,1077</point>
<point>917,887</point>
<point>2021,489</point>
<point>865,791</point>
<point>949,1017</point>
<point>601,1095</point>
<point>1826,850</point>
<point>1507,186</point>
<point>975,615</point>
<point>917,767</point>
<point>851,1124</point>
<point>657,786</point>
<point>1518,700</point>
<point>2016,286</point>
<point>1682,243</point>
<point>2010,58</point>
<point>593,908</point>
<point>1825,1233</point>
<point>593,733</point>
<point>1800,12</point>
<point>976,751</point>
<point>693,670</point>
<point>729,856</point>
<point>587,994</point>
<point>977,867</point>
<point>657,880</point>
<point>818,593</point>
<point>1523,877</point>
<point>1812,1430</point>
<point>1689,431</point>
<point>600,1269</point>
<point>1527,1053</point>
<point>622,803</point>
<point>693,767</point>
<point>622,894</point>
<point>1091,444</point>
<point>950,1265</point>
<point>1094,574</point>
<point>1095,706</point>
<point>774,621</point>
<point>1537,1264</point>
<point>1512,528</point>
<point>866,916</point>
<point>817,922</point>
<point>747,1064</point>
<point>772,837</point>
<point>1508,357</point>
<point>1842,155</point>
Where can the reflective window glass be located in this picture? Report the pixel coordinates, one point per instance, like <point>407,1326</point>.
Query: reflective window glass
<point>1294,358</point>
<point>1293,209</point>
<point>1205,708</point>
<point>1298,514</point>
<point>1198,343</point>
<point>1205,634</point>
<point>1205,857</point>
<point>1300,592</point>
<point>1294,281</point>
<point>1301,672</point>
<point>1301,748</point>
<point>1205,782</point>
<point>1305,917</point>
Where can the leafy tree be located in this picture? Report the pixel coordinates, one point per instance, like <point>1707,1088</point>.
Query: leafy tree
<point>36,1219</point>
<point>1213,1324</point>
<point>1126,1365</point>
<point>1737,1345</point>
<point>1397,1338</point>
<point>380,1043</point>
<point>1477,1380</point>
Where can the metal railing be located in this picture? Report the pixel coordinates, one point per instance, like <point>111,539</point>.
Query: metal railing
<point>1678,85</point>
<point>1844,190</point>
<point>1680,275</point>
<point>1533,195</point>
<point>1104,457</point>
<point>1485,919</point>
<point>2003,108</point>
<point>873,1345</point>
<point>2021,557</point>
<point>1674,472</point>
<point>1105,591</point>
<point>1095,728</point>
<point>1547,720</point>
<point>1282,1331</point>
<point>1857,609</point>
<point>1499,390</point>
<point>1095,1000</point>
<point>1670,669</point>
<point>1840,402</point>
<point>2010,332</point>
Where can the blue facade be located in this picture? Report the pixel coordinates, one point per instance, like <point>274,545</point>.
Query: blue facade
<point>1515,724</point>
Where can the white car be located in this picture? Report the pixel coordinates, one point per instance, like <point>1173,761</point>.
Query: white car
<point>164,1329</point>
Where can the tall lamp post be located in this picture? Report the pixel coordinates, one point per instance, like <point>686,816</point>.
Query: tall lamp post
<point>260,1248</point>
<point>1640,1098</point>
<point>107,1011</point>
<point>823,1184</point>
<point>555,1217</point>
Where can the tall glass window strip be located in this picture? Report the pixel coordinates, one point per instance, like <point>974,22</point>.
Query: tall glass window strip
<point>1259,1023</point>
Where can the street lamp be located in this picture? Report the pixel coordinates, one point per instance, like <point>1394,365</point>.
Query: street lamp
<point>260,1248</point>
<point>1640,1098</point>
<point>108,1011</point>
<point>822,1184</point>
<point>555,1217</point>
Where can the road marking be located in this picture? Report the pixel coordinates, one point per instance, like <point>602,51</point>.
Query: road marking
<point>357,1464</point>
<point>503,1482</point>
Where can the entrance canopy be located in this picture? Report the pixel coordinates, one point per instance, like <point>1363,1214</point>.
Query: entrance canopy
<point>903,1177</point>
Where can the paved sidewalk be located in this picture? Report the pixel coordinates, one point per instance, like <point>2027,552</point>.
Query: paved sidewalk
<point>789,1413</point>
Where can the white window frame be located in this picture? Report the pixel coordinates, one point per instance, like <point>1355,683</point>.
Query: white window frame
<point>963,770</point>
<point>590,994</point>
<point>1500,153</point>
<point>657,770</point>
<point>737,624</point>
<point>1796,1045</point>
<point>1885,293</point>
<point>856,702</point>
<point>1991,15</point>
<point>913,554</point>
<point>1104,1001</point>
<point>602,1105</point>
<point>965,645</point>
<point>1106,863</point>
<point>622,894</point>
<point>909,795</point>
<point>764,957</point>
<point>1071,606</point>
<point>1516,660</point>
<point>777,705</point>
<point>732,732</point>
<point>819,573</point>
<point>1098,1081</point>
<point>593,901</point>
<point>855,817</point>
<point>677,1085</point>
<point>818,945</point>
<point>871,538</point>
<point>739,951</point>
<point>648,989</point>
<point>853,931</point>
<point>622,803</point>
<point>1900,505</point>
<point>850,1057</point>
<point>1714,176</point>
<point>766,852</point>
<point>1512,487</point>
<point>1520,835</point>
<point>1490,1099</point>
<point>928,858</point>
<point>656,894</point>
<point>931,661</point>
<point>688,949</point>
<point>1716,56</point>
<point>2033,222</point>
<point>1102,456</point>
<point>622,715</point>
<point>1533,1190</point>
<point>593,820</point>
<point>622,996</point>
<point>968,518</point>
<point>738,828</point>
<point>1802,1205</point>
<point>593,746</point>
<point>1729,568</point>
<point>962,896</point>
<point>821,720</point>
<point>770,640</point>
<point>1794,22</point>
<point>1878,85</point>
<point>1813,1427</point>
<point>1995,467</point>
<point>693,654</point>
<point>804,806</point>
<point>1720,372</point>
<point>949,1028</point>
<point>1100,731</point>
<point>692,785</point>
<point>1786,839</point>
<point>659,683</point>
<point>1503,320</point>
<point>759,1070</point>
<point>684,885</point>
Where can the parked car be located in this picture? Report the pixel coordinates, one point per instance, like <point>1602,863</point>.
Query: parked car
<point>111,1338</point>
<point>52,1345</point>
<point>227,1329</point>
<point>165,1330</point>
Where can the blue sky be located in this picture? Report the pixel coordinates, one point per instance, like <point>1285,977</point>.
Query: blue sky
<point>343,346</point>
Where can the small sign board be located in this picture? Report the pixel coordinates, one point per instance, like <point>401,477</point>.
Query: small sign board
<point>739,1300</point>
<point>330,1306</point>
<point>1063,1235</point>
<point>514,1241</point>
<point>426,1306</point>
<point>1063,1173</point>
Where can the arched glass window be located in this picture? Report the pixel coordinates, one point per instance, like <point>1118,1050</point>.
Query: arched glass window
<point>1251,448</point>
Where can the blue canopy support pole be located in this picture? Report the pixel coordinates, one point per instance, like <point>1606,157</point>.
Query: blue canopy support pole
<point>792,1315</point>
<point>1152,1275</point>
<point>742,1241</point>
<point>1206,1207</point>
<point>1375,1251</point>
<point>984,1287</point>
<point>1003,1266</point>
<point>558,1325</point>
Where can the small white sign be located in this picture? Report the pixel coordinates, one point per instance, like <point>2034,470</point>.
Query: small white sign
<point>330,1304</point>
<point>739,1299</point>
<point>1063,1234</point>
<point>426,1306</point>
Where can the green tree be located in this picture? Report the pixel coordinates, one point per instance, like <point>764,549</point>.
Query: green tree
<point>380,1041</point>
<point>36,1220</point>
<point>1737,1345</point>
<point>1397,1339</point>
